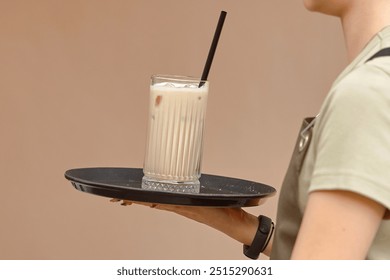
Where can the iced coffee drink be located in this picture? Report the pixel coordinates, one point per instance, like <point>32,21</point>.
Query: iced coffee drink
<point>176,120</point>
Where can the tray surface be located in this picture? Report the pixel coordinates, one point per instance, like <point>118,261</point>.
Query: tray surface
<point>125,183</point>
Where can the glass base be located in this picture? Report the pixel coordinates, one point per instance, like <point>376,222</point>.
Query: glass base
<point>169,186</point>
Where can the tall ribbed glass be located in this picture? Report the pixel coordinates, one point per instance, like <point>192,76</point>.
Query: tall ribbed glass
<point>177,110</point>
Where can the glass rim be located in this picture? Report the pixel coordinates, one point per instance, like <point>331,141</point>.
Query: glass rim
<point>178,78</point>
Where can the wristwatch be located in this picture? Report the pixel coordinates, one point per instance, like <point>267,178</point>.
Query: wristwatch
<point>261,239</point>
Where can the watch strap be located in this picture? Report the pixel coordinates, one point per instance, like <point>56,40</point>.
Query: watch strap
<point>261,239</point>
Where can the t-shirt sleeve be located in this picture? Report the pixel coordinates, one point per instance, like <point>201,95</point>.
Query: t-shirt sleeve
<point>352,137</point>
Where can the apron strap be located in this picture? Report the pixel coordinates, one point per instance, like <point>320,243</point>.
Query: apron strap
<point>382,52</point>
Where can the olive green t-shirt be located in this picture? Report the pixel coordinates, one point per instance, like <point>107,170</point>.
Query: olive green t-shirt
<point>350,145</point>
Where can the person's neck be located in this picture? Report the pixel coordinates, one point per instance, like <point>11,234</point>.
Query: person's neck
<point>360,24</point>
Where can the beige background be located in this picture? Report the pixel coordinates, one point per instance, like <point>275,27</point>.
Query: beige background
<point>73,93</point>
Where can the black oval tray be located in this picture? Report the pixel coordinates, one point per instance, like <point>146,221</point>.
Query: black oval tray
<point>125,183</point>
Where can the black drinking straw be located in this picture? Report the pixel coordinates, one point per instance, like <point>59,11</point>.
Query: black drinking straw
<point>213,47</point>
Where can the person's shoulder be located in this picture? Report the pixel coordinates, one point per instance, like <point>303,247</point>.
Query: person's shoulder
<point>368,83</point>
<point>371,73</point>
<point>379,67</point>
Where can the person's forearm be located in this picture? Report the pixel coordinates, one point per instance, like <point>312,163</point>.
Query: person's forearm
<point>234,222</point>
<point>242,227</point>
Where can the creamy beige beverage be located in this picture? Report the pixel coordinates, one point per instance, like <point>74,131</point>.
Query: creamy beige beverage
<point>177,110</point>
